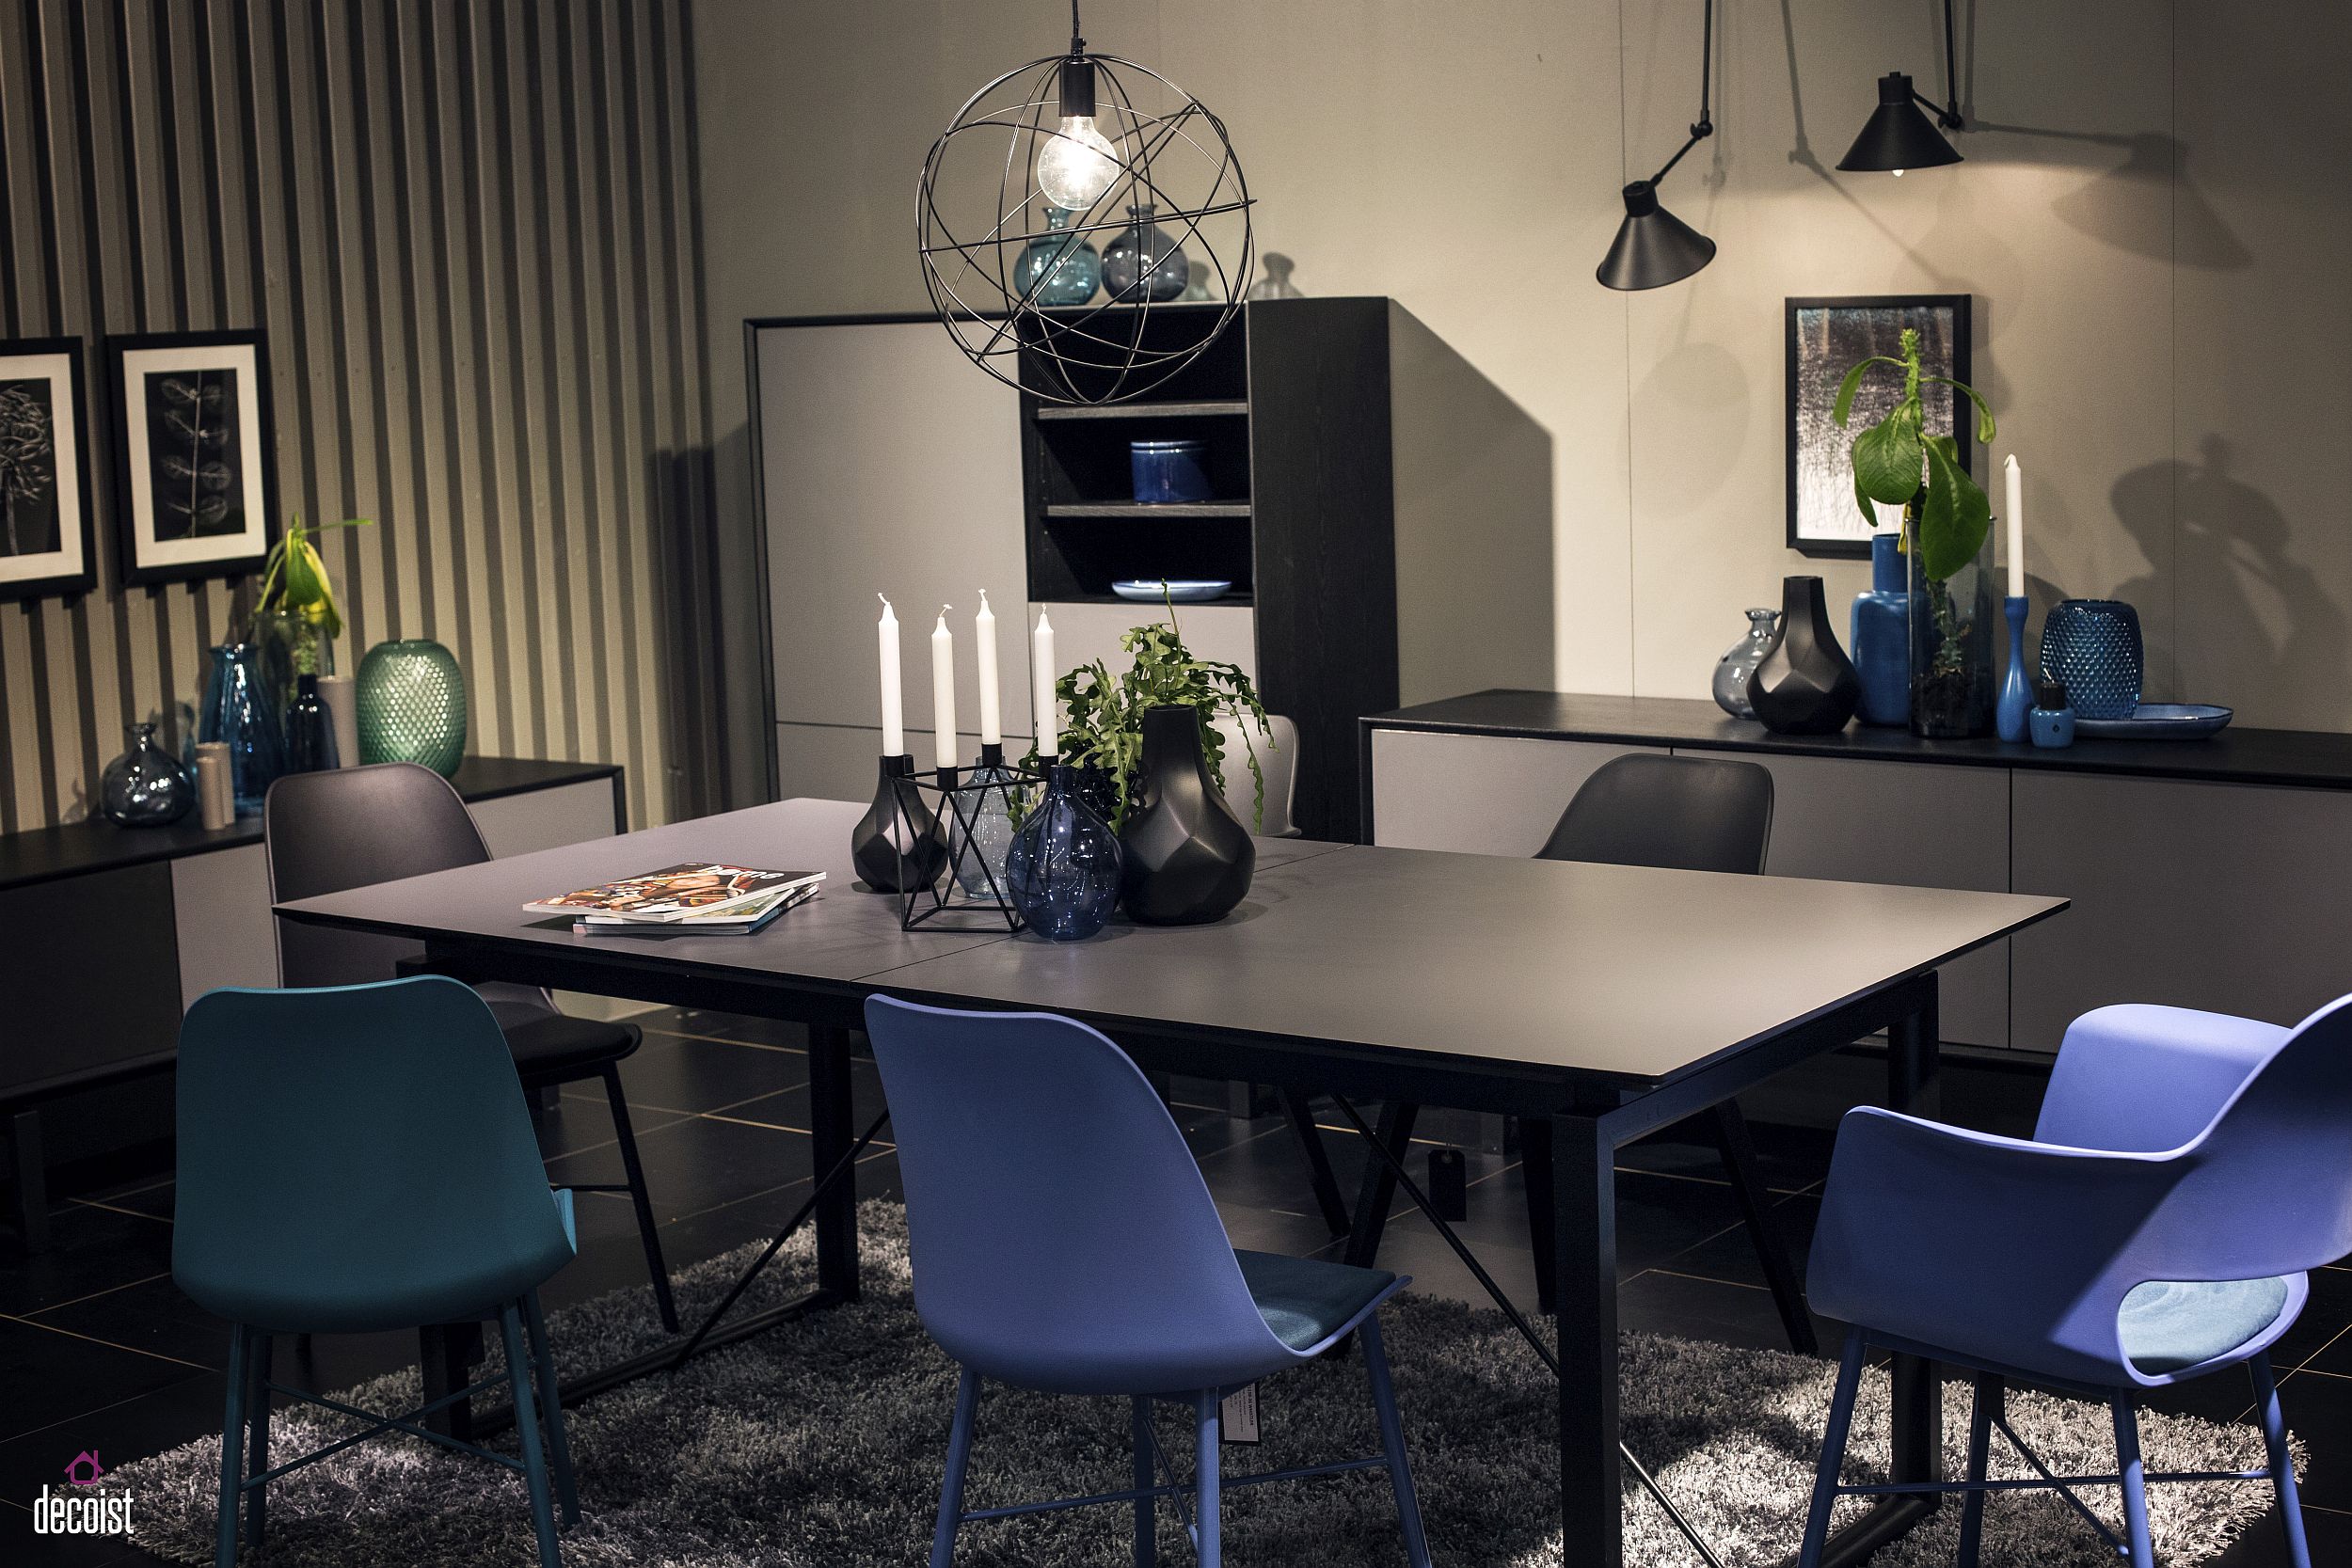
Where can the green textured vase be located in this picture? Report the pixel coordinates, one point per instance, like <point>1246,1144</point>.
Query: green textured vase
<point>412,706</point>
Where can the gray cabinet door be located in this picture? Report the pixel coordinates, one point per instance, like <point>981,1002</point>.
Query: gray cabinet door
<point>1477,794</point>
<point>1910,825</point>
<point>2223,897</point>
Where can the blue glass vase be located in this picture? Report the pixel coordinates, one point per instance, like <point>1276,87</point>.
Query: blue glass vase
<point>240,711</point>
<point>1064,864</point>
<point>146,787</point>
<point>1881,639</point>
<point>1141,262</point>
<point>1057,271</point>
<point>2092,648</point>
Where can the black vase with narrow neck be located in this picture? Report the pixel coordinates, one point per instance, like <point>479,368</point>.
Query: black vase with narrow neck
<point>1188,858</point>
<point>1806,684</point>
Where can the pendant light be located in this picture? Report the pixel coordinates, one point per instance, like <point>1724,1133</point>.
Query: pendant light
<point>1654,248</point>
<point>1898,137</point>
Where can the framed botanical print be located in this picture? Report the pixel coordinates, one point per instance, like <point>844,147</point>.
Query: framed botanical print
<point>1826,337</point>
<point>46,547</point>
<point>196,496</point>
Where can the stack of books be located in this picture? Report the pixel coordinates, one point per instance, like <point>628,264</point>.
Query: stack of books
<point>701,896</point>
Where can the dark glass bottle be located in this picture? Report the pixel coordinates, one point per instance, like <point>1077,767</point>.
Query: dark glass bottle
<point>310,730</point>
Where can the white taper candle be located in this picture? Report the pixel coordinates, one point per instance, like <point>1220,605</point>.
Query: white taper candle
<point>1042,668</point>
<point>984,629</point>
<point>2017,529</point>
<point>893,700</point>
<point>943,688</point>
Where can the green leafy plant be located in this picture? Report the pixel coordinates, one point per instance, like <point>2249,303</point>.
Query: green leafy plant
<point>1103,726</point>
<point>296,614</point>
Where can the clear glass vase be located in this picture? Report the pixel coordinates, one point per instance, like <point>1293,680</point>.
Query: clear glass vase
<point>146,787</point>
<point>977,853</point>
<point>1058,268</point>
<point>1142,263</point>
<point>1732,670</point>
<point>1952,623</point>
<point>291,646</point>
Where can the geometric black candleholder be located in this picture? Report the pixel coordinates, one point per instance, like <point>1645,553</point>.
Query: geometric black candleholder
<point>898,846</point>
<point>957,801</point>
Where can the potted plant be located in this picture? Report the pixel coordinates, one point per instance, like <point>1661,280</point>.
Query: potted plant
<point>296,618</point>
<point>1948,527</point>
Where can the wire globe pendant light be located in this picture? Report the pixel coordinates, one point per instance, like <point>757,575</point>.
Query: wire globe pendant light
<point>1075,163</point>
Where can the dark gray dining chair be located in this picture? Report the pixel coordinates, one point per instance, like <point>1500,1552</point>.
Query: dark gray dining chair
<point>353,827</point>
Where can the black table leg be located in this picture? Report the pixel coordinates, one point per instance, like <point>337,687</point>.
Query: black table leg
<point>1585,1259</point>
<point>1300,1109</point>
<point>832,1131</point>
<point>1535,1140</point>
<point>446,1354</point>
<point>1756,1208</point>
<point>1912,1085</point>
<point>1395,1132</point>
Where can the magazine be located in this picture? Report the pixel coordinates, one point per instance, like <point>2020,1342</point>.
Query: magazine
<point>675,893</point>
<point>736,919</point>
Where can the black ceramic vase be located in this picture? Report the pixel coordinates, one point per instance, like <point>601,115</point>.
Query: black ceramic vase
<point>1188,858</point>
<point>898,845</point>
<point>1806,684</point>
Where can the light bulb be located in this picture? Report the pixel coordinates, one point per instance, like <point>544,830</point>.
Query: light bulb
<point>1077,164</point>
<point>1899,174</point>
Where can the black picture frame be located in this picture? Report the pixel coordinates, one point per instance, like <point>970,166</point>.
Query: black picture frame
<point>70,567</point>
<point>236,362</point>
<point>1822,520</point>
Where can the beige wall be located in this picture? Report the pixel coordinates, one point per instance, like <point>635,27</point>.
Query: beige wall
<point>2159,263</point>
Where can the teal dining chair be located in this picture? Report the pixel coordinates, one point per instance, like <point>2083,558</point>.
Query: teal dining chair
<point>357,1159</point>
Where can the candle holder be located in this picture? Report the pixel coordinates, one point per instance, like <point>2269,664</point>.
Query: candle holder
<point>2016,702</point>
<point>898,846</point>
<point>974,896</point>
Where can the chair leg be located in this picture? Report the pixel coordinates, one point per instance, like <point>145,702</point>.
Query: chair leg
<point>1535,1140</point>
<point>256,1449</point>
<point>1755,1207</point>
<point>959,1457</point>
<point>1146,1530</point>
<point>2281,1461</point>
<point>646,1229</point>
<point>1207,1493</point>
<point>232,1450</point>
<point>2134,1470</point>
<point>1392,1446</point>
<point>550,1395</point>
<point>1833,1452</point>
<point>1984,1409</point>
<point>527,1429</point>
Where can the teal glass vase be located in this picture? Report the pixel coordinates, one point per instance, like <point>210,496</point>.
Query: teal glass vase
<point>1058,267</point>
<point>412,706</point>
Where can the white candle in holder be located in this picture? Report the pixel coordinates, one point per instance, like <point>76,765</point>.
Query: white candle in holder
<point>893,702</point>
<point>984,630</point>
<point>2017,529</point>
<point>943,688</point>
<point>1041,689</point>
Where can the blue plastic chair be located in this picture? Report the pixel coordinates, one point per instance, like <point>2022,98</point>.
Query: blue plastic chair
<point>2187,1170</point>
<point>358,1159</point>
<point>1064,1241</point>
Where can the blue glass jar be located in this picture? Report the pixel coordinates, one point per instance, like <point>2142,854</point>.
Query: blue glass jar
<point>1064,864</point>
<point>1164,471</point>
<point>1880,637</point>
<point>2051,723</point>
<point>2092,648</point>
<point>241,712</point>
<point>1057,271</point>
<point>146,787</point>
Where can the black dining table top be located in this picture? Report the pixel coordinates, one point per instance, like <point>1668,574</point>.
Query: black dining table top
<point>1627,973</point>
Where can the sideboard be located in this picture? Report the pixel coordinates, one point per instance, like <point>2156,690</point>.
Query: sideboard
<point>2203,874</point>
<point>107,933</point>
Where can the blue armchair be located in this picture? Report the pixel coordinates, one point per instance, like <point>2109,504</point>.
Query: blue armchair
<point>2187,1170</point>
<point>1063,1241</point>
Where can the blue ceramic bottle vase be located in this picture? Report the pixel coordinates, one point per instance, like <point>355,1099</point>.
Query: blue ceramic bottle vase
<point>2016,700</point>
<point>1880,635</point>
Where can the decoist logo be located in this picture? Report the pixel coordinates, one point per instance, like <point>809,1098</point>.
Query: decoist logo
<point>75,1511</point>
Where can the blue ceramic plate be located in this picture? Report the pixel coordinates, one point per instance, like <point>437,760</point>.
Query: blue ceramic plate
<point>2159,721</point>
<point>1182,589</point>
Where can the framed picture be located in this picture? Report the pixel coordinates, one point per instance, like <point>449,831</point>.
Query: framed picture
<point>1826,338</point>
<point>195,497</point>
<point>45,536</point>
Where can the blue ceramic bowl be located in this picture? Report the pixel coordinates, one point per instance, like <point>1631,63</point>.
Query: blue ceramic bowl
<point>1168,471</point>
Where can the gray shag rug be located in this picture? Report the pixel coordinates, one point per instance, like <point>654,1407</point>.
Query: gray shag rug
<point>820,1445</point>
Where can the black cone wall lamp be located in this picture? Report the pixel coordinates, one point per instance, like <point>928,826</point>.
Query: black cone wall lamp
<point>1654,248</point>
<point>1898,137</point>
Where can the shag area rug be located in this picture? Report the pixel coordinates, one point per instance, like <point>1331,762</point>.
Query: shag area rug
<point>820,1445</point>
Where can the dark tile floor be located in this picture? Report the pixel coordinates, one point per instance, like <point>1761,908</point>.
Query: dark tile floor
<point>99,1350</point>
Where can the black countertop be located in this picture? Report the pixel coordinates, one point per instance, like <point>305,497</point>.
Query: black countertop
<point>78,848</point>
<point>2311,759</point>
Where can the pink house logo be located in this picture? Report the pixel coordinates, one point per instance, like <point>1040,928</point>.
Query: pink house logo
<point>85,1470</point>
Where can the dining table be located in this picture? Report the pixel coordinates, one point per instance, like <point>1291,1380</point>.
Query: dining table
<point>1609,1001</point>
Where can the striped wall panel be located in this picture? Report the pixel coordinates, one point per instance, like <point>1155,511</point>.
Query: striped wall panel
<point>471,230</point>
